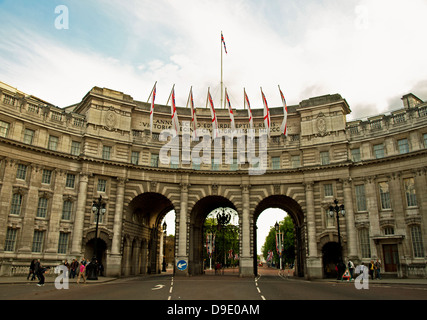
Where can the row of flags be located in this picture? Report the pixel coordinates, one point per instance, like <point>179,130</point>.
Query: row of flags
<point>175,120</point>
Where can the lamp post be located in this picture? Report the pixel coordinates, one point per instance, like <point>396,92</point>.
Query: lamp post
<point>279,241</point>
<point>338,210</point>
<point>98,207</point>
<point>164,246</point>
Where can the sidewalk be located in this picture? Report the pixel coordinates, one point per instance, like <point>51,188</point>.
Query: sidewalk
<point>50,279</point>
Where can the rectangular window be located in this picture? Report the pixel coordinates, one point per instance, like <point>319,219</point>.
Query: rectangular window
<point>102,185</point>
<point>53,143</point>
<point>46,176</point>
<point>42,208</point>
<point>275,163</point>
<point>37,241</point>
<point>28,136</point>
<point>106,153</point>
<point>21,172</point>
<point>425,140</point>
<point>66,210</point>
<point>155,160</point>
<point>134,158</point>
<point>70,181</point>
<point>328,190</point>
<point>174,162</point>
<point>4,129</point>
<point>10,239</point>
<point>360,197</point>
<point>324,157</point>
<point>75,148</point>
<point>403,146</point>
<point>355,155</point>
<point>364,243</point>
<point>63,242</point>
<point>417,241</point>
<point>234,166</point>
<point>379,151</point>
<point>295,161</point>
<point>384,195</point>
<point>411,196</point>
<point>15,207</point>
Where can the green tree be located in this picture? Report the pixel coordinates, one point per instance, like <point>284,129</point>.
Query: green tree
<point>287,228</point>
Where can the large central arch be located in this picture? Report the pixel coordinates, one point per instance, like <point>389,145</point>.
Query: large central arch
<point>295,212</point>
<point>197,218</point>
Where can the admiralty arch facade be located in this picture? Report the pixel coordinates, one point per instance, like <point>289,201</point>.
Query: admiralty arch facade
<point>55,162</point>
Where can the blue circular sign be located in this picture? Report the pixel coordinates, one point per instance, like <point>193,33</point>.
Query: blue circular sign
<point>181,265</point>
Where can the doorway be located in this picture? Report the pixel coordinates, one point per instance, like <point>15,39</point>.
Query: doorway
<point>391,257</point>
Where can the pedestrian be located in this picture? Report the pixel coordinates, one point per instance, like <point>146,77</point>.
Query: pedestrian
<point>31,271</point>
<point>350,266</point>
<point>378,269</point>
<point>39,270</point>
<point>82,273</point>
<point>73,268</point>
<point>371,269</point>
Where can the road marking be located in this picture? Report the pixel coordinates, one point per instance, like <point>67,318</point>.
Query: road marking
<point>259,291</point>
<point>263,298</point>
<point>158,287</point>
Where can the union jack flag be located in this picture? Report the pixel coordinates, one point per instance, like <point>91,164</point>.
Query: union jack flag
<point>284,126</point>
<point>266,114</point>
<point>222,40</point>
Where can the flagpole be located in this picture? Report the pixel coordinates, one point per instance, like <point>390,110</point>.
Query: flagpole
<point>148,100</point>
<point>222,83</point>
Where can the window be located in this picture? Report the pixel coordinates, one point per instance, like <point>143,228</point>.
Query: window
<point>155,160</point>
<point>4,129</point>
<point>411,197</point>
<point>275,163</point>
<point>417,241</point>
<point>28,136</point>
<point>234,166</point>
<point>38,241</point>
<point>388,231</point>
<point>174,162</point>
<point>328,190</point>
<point>425,140</point>
<point>403,146</point>
<point>21,172</point>
<point>365,247</point>
<point>360,197</point>
<point>384,195</point>
<point>10,239</point>
<point>63,242</point>
<point>134,158</point>
<point>42,208</point>
<point>355,155</point>
<point>46,176</point>
<point>295,161</point>
<point>324,157</point>
<point>75,148</point>
<point>66,210</point>
<point>70,181</point>
<point>53,143</point>
<point>102,185</point>
<point>15,207</point>
<point>215,165</point>
<point>106,153</point>
<point>379,151</point>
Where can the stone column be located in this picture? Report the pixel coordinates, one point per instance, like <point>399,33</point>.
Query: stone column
<point>182,253</point>
<point>115,257</point>
<point>372,207</point>
<point>314,263</point>
<point>246,260</point>
<point>76,246</point>
<point>349,220</point>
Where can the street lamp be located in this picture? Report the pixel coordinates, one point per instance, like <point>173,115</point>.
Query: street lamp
<point>164,246</point>
<point>98,208</point>
<point>279,242</point>
<point>223,216</point>
<point>338,209</point>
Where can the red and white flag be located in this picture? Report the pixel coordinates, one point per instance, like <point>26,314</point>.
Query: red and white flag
<point>230,111</point>
<point>251,120</point>
<point>223,42</point>
<point>284,126</point>
<point>175,120</point>
<point>193,112</point>
<point>267,122</point>
<point>153,98</point>
<point>213,115</point>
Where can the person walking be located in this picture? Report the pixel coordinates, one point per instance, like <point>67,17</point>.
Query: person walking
<point>73,268</point>
<point>350,266</point>
<point>31,271</point>
<point>39,270</point>
<point>82,273</point>
<point>378,269</point>
<point>371,269</point>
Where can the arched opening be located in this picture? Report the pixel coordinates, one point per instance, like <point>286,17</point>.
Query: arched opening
<point>293,209</point>
<point>198,216</point>
<point>143,231</point>
<point>330,258</point>
<point>101,249</point>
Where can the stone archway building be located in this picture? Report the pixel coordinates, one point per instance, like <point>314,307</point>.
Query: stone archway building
<point>55,162</point>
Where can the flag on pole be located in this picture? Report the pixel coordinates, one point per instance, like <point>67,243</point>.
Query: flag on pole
<point>251,120</point>
<point>230,111</point>
<point>266,114</point>
<point>284,126</point>
<point>175,120</point>
<point>213,115</point>
<point>223,42</point>
<point>153,98</point>
<point>193,112</point>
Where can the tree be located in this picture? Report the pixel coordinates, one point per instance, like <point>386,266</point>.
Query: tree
<point>287,228</point>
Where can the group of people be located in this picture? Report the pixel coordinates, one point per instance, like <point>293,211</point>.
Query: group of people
<point>374,269</point>
<point>75,268</point>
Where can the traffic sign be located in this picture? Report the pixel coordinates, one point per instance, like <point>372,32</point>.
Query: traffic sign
<point>181,265</point>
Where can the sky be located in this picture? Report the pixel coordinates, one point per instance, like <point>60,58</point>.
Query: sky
<point>372,52</point>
